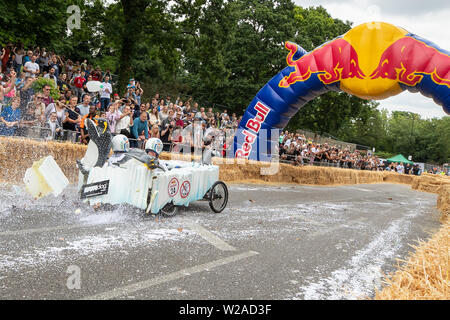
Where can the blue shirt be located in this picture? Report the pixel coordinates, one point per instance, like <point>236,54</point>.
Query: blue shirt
<point>138,127</point>
<point>9,115</point>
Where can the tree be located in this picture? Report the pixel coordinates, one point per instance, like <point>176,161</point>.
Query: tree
<point>33,22</point>
<point>232,48</point>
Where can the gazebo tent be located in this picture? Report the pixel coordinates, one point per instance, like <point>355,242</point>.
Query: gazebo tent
<point>399,158</point>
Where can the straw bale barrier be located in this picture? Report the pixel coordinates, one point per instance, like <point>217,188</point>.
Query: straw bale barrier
<point>425,275</point>
<point>17,155</point>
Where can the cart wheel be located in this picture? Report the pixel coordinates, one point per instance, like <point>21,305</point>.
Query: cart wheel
<point>169,210</point>
<point>218,197</point>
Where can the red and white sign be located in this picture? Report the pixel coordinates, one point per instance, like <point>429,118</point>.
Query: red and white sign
<point>252,125</point>
<point>185,189</point>
<point>173,187</point>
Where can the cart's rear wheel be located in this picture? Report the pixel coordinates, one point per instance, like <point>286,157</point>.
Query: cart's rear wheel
<point>169,210</point>
<point>218,197</point>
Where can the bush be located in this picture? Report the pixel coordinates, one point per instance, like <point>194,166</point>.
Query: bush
<point>39,83</point>
<point>383,155</point>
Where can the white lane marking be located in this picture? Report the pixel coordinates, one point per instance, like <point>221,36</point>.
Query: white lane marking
<point>169,277</point>
<point>210,237</point>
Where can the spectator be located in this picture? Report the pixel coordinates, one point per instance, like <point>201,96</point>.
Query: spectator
<point>31,67</point>
<point>138,92</point>
<point>131,95</point>
<point>53,127</point>
<point>39,108</point>
<point>10,117</point>
<point>178,121</point>
<point>79,82</point>
<point>59,108</point>
<point>138,111</point>
<point>51,75</point>
<point>210,113</point>
<point>125,122</point>
<point>154,133</point>
<point>10,91</point>
<point>84,133</point>
<point>18,61</point>
<point>72,118</point>
<point>105,94</point>
<point>139,130</point>
<point>223,115</point>
<point>56,64</point>
<point>401,168</point>
<point>168,120</point>
<point>85,106</point>
<point>47,98</point>
<point>168,126</point>
<point>28,56</point>
<point>164,113</point>
<point>26,94</point>
<point>44,60</point>
<point>31,117</point>
<point>177,139</point>
<point>97,75</point>
<point>154,117</point>
<point>69,69</point>
<point>62,83</point>
<point>113,116</point>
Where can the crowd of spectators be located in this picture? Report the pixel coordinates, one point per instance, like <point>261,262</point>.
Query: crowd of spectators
<point>126,114</point>
<point>178,123</point>
<point>298,150</point>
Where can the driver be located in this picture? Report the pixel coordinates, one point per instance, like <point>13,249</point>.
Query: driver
<point>153,148</point>
<point>120,147</point>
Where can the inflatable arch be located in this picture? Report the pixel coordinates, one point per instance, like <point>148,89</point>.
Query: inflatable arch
<point>374,60</point>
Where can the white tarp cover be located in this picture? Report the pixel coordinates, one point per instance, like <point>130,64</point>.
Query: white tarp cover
<point>185,183</point>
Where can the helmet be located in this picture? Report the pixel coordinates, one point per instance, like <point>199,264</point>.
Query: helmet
<point>155,145</point>
<point>120,143</point>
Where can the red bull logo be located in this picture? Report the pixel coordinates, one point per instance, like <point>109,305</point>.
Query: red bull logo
<point>408,59</point>
<point>253,126</point>
<point>334,61</point>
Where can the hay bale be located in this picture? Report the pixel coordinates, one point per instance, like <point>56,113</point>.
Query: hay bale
<point>17,155</point>
<point>424,276</point>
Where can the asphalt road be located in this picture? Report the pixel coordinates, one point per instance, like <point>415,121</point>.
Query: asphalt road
<point>287,242</point>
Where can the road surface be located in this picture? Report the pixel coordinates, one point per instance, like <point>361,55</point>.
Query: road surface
<point>272,242</point>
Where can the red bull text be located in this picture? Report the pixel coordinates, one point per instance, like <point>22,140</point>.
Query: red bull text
<point>252,128</point>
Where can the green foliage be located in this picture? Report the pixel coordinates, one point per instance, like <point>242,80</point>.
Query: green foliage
<point>426,140</point>
<point>384,155</point>
<point>39,83</point>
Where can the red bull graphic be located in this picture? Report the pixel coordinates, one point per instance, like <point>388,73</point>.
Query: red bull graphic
<point>371,61</point>
<point>334,61</point>
<point>252,128</point>
<point>407,60</point>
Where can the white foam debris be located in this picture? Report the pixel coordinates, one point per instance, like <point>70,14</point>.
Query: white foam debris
<point>88,245</point>
<point>364,270</point>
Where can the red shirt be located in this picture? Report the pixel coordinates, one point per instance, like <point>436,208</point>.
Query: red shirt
<point>96,76</point>
<point>180,123</point>
<point>5,58</point>
<point>79,81</point>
